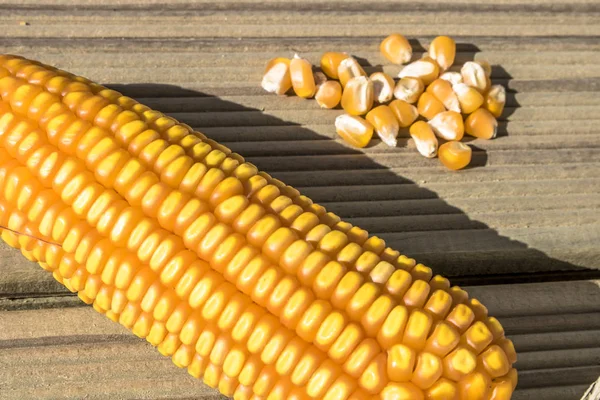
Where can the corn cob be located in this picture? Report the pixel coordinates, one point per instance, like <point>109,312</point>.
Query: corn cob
<point>236,276</point>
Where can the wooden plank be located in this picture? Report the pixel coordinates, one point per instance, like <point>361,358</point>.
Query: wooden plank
<point>79,351</point>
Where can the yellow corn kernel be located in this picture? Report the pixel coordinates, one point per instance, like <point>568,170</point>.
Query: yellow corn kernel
<point>442,90</point>
<point>396,49</point>
<point>459,363</point>
<point>443,339</point>
<point>448,125</point>
<point>428,106</point>
<point>329,94</point>
<point>475,76</point>
<point>303,80</point>
<point>349,68</point>
<point>469,98</point>
<point>476,386</point>
<point>452,77</point>
<point>401,391</point>
<point>486,67</point>
<point>495,99</point>
<point>383,87</point>
<point>455,155</point>
<point>424,69</point>
<point>481,124</point>
<point>501,390</point>
<point>330,62</point>
<point>494,361</point>
<point>443,389</point>
<point>443,50</point>
<point>427,371</point>
<point>409,89</point>
<point>354,130</point>
<point>357,98</point>
<point>425,140</point>
<point>277,76</point>
<point>405,113</point>
<point>385,123</point>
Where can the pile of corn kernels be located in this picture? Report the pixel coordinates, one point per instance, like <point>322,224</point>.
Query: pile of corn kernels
<point>428,100</point>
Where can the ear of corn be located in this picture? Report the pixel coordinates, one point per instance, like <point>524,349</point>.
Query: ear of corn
<point>236,276</point>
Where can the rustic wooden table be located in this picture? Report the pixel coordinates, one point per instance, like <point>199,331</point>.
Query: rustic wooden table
<point>520,229</point>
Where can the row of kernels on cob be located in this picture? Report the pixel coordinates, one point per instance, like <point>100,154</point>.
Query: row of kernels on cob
<point>425,89</point>
<point>116,224</point>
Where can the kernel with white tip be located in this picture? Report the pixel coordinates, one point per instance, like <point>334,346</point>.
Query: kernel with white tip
<point>442,90</point>
<point>409,89</point>
<point>357,98</point>
<point>452,77</point>
<point>425,69</point>
<point>385,123</point>
<point>443,50</point>
<point>330,62</point>
<point>277,77</point>
<point>468,97</point>
<point>303,80</point>
<point>354,130</point>
<point>349,68</point>
<point>495,99</point>
<point>424,138</point>
<point>429,106</point>
<point>474,75</point>
<point>448,125</point>
<point>487,67</point>
<point>383,86</point>
<point>405,112</point>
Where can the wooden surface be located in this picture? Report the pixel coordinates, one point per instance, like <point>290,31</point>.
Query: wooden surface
<point>520,228</point>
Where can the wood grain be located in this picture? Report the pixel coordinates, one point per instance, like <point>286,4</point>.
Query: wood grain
<point>521,227</point>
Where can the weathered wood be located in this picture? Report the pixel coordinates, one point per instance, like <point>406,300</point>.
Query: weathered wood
<point>526,212</point>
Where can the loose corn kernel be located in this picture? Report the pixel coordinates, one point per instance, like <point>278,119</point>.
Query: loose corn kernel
<point>424,69</point>
<point>330,62</point>
<point>442,90</point>
<point>396,49</point>
<point>357,98</point>
<point>303,80</point>
<point>428,106</point>
<point>349,68</point>
<point>486,67</point>
<point>277,77</point>
<point>481,124</point>
<point>448,125</point>
<point>469,98</point>
<point>354,130</point>
<point>329,94</point>
<point>385,123</point>
<point>443,50</point>
<point>474,75</point>
<point>452,77</point>
<point>383,87</point>
<point>455,155</point>
<point>409,89</point>
<point>495,99</point>
<point>405,113</point>
<point>425,140</point>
